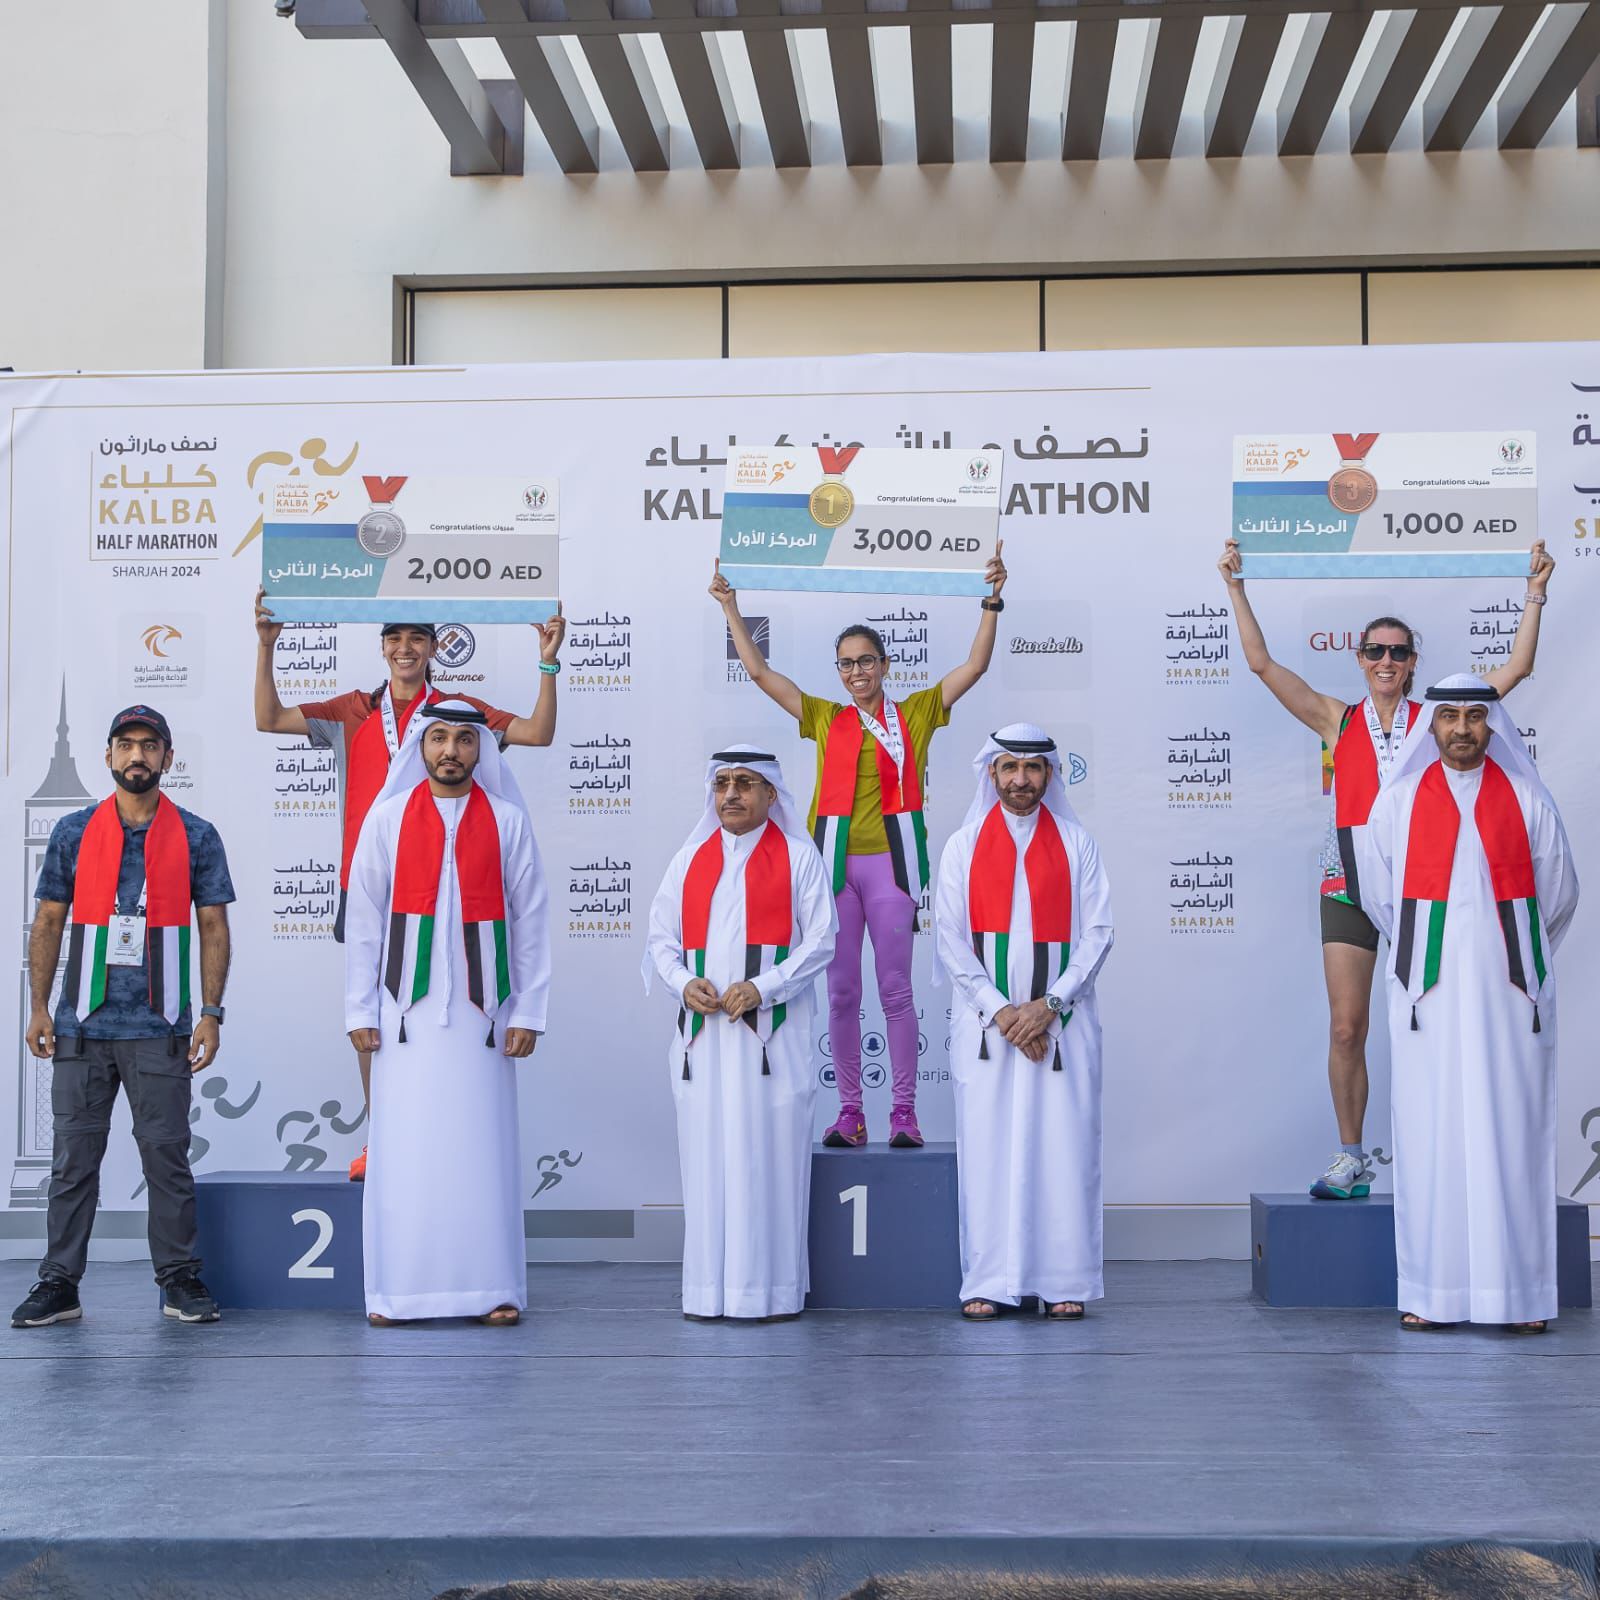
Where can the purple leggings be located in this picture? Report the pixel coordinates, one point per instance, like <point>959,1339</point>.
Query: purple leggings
<point>871,901</point>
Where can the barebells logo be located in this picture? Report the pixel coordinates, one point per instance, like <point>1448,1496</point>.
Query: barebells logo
<point>600,776</point>
<point>600,899</point>
<point>1200,770</point>
<point>600,654</point>
<point>1200,894</point>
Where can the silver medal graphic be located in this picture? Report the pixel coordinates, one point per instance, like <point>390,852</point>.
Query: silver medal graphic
<point>380,532</point>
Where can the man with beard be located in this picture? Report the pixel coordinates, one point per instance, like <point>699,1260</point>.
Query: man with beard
<point>1022,924</point>
<point>129,869</point>
<point>447,976</point>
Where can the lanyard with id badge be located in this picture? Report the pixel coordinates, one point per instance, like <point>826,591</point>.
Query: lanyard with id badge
<point>126,935</point>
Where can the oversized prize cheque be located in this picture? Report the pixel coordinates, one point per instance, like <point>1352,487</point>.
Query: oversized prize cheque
<point>1392,505</point>
<point>403,549</point>
<point>860,521</point>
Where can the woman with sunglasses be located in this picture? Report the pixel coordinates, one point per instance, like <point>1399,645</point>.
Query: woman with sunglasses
<point>1365,739</point>
<point>866,817</point>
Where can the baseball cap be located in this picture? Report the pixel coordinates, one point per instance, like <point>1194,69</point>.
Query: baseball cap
<point>394,627</point>
<point>134,716</point>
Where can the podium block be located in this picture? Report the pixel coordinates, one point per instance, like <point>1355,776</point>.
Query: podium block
<point>884,1228</point>
<point>281,1240</point>
<point>1333,1253</point>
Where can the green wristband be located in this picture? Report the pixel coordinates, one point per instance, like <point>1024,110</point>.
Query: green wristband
<point>552,667</point>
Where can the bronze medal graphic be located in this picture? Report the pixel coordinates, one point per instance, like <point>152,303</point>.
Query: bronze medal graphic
<point>1352,489</point>
<point>831,503</point>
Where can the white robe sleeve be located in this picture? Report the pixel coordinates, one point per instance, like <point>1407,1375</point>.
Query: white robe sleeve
<point>1091,943</point>
<point>528,926</point>
<point>1375,855</point>
<point>817,922</point>
<point>956,954</point>
<point>664,941</point>
<point>1555,880</point>
<point>366,915</point>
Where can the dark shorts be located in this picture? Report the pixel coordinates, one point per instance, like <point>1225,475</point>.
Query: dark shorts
<point>1343,923</point>
<point>338,921</point>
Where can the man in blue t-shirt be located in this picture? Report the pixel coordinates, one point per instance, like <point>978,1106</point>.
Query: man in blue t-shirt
<point>128,870</point>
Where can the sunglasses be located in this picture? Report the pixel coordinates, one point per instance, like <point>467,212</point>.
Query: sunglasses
<point>1395,652</point>
<point>845,664</point>
<point>740,781</point>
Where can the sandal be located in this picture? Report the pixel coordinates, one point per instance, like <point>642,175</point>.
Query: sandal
<point>1412,1323</point>
<point>500,1317</point>
<point>991,1315</point>
<point>1055,1314</point>
<point>1540,1326</point>
<point>376,1321</point>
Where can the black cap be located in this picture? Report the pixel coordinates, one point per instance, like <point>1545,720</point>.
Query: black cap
<point>394,627</point>
<point>140,716</point>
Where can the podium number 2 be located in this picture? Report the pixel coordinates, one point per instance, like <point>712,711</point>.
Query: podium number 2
<point>306,1266</point>
<point>856,1199</point>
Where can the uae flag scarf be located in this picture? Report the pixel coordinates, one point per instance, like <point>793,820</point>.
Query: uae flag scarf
<point>768,926</point>
<point>901,791</point>
<point>1356,780</point>
<point>991,881</point>
<point>166,905</point>
<point>1430,854</point>
<point>480,881</point>
<point>372,747</point>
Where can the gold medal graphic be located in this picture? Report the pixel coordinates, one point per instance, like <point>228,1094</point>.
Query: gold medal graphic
<point>831,503</point>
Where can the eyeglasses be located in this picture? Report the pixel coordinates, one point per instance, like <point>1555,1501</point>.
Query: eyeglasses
<point>741,781</point>
<point>861,663</point>
<point>1395,652</point>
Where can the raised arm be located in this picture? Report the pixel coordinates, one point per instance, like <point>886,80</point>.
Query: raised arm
<point>539,726</point>
<point>272,715</point>
<point>958,680</point>
<point>1526,644</point>
<point>1319,712</point>
<point>772,683</point>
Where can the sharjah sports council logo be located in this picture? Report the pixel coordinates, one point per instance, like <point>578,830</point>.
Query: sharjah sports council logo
<point>456,646</point>
<point>158,634</point>
<point>978,469</point>
<point>534,496</point>
<point>1511,451</point>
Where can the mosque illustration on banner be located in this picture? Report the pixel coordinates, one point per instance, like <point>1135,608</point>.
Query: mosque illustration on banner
<point>61,792</point>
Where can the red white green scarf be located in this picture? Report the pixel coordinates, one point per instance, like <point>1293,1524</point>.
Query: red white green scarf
<point>1430,855</point>
<point>768,926</point>
<point>480,881</point>
<point>372,747</point>
<point>1357,777</point>
<point>991,880</point>
<point>166,903</point>
<point>898,782</point>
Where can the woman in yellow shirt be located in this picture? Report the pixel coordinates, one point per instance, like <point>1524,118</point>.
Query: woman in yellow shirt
<point>866,817</point>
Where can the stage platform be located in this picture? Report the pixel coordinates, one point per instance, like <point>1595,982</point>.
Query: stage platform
<point>1183,1441</point>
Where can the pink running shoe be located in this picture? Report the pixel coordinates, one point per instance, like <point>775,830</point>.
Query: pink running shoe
<point>904,1134</point>
<point>850,1130</point>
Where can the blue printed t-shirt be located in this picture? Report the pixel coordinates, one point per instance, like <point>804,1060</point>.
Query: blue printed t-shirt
<point>126,1012</point>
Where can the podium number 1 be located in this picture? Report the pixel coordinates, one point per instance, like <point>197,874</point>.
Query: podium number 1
<point>306,1266</point>
<point>856,1199</point>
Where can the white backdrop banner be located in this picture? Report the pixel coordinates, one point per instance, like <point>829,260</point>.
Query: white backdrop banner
<point>132,515</point>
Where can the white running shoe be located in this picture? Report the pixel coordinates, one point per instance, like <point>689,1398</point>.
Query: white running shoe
<point>1347,1178</point>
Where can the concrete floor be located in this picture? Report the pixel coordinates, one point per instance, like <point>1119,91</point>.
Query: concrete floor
<point>1179,1411</point>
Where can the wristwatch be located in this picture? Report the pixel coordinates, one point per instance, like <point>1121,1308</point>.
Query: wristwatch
<point>993,602</point>
<point>1056,1003</point>
<point>219,1012</point>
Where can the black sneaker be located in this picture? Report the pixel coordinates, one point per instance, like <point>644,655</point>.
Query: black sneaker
<point>189,1300</point>
<point>49,1300</point>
